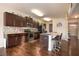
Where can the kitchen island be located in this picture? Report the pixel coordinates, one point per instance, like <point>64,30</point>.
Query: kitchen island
<point>47,42</point>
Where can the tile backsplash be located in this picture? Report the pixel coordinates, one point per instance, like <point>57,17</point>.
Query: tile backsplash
<point>11,30</point>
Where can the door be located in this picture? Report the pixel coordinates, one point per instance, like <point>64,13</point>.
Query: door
<point>73,35</point>
<point>72,29</point>
<point>11,41</point>
<point>50,27</point>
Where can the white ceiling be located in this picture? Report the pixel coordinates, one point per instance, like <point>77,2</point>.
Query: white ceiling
<point>76,9</point>
<point>49,9</point>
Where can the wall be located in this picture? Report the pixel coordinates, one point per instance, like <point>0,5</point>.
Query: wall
<point>63,29</point>
<point>1,30</point>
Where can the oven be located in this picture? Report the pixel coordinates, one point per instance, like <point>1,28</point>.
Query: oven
<point>30,35</point>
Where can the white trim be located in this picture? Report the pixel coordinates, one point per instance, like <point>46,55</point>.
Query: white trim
<point>49,43</point>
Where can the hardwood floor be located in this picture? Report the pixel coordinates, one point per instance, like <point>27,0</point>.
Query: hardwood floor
<point>28,49</point>
<point>74,46</point>
<point>34,49</point>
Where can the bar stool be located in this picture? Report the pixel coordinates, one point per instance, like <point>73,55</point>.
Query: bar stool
<point>58,43</point>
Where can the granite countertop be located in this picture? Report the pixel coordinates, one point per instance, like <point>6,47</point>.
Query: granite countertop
<point>45,34</point>
<point>5,35</point>
<point>53,36</point>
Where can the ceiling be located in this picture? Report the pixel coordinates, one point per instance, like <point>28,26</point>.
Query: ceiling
<point>49,9</point>
<point>75,9</point>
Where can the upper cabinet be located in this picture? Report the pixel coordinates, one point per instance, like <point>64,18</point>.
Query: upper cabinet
<point>18,21</point>
<point>9,19</point>
<point>14,20</point>
<point>31,22</point>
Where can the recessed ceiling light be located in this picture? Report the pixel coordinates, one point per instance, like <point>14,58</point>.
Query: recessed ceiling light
<point>74,25</point>
<point>47,19</point>
<point>76,16</point>
<point>37,12</point>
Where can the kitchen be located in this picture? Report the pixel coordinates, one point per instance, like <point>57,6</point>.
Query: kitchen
<point>20,25</point>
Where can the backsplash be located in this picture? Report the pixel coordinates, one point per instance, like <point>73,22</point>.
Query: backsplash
<point>11,30</point>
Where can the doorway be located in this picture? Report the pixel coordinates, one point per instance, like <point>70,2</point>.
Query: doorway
<point>73,37</point>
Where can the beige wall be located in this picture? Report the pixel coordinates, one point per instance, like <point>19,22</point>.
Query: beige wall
<point>1,30</point>
<point>63,29</point>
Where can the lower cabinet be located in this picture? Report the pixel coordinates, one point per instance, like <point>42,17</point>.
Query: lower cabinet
<point>44,42</point>
<point>26,37</point>
<point>36,35</point>
<point>13,40</point>
<point>18,38</point>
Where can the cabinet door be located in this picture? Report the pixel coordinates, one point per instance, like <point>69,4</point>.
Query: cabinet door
<point>26,37</point>
<point>36,35</point>
<point>24,23</point>
<point>21,21</point>
<point>11,41</point>
<point>30,21</point>
<point>44,41</point>
<point>17,21</point>
<point>34,24</point>
<point>18,39</point>
<point>9,19</point>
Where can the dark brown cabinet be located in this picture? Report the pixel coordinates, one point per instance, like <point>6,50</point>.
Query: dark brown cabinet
<point>13,40</point>
<point>26,37</point>
<point>44,41</point>
<point>18,21</point>
<point>14,20</point>
<point>24,23</point>
<point>34,24</point>
<point>36,35</point>
<point>29,22</point>
<point>9,19</point>
<point>16,39</point>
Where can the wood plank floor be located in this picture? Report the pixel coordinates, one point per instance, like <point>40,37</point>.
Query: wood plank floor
<point>74,46</point>
<point>28,49</point>
<point>34,49</point>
